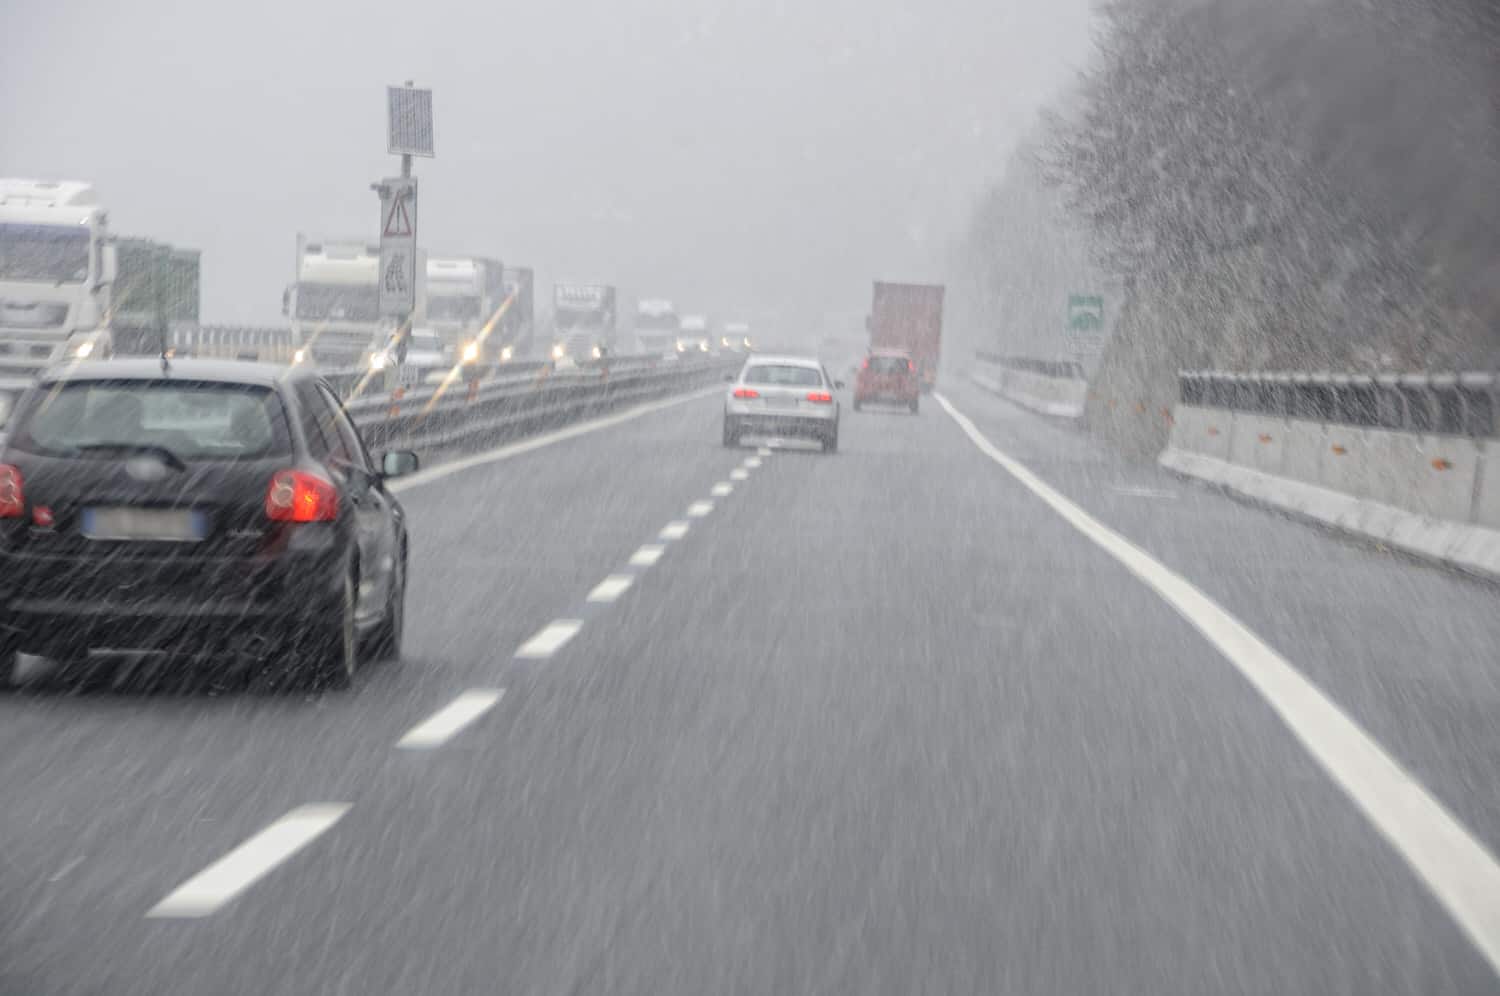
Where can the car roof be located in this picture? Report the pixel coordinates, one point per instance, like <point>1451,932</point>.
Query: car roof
<point>763,359</point>
<point>150,368</point>
<point>903,353</point>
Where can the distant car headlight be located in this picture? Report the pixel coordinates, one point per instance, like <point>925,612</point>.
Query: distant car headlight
<point>300,356</point>
<point>702,347</point>
<point>558,352</point>
<point>681,348</point>
<point>471,352</point>
<point>378,361</point>
<point>598,352</point>
<point>507,353</point>
<point>83,350</point>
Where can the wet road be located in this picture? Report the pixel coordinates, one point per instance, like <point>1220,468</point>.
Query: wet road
<point>680,719</point>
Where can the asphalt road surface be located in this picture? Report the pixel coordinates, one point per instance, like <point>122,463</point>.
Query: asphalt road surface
<point>887,721</point>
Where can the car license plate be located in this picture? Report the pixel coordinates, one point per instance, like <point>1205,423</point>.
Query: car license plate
<point>168,525</point>
<point>780,401</point>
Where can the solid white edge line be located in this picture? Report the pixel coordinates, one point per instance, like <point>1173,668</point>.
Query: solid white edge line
<point>610,588</point>
<point>764,451</point>
<point>1461,873</point>
<point>537,442</point>
<point>647,555</point>
<point>739,474</point>
<point>447,722</point>
<point>722,490</point>
<point>699,509</point>
<point>673,530</point>
<point>752,462</point>
<point>549,639</point>
<point>209,890</point>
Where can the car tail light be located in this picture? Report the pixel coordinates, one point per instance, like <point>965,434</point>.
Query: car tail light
<point>911,367</point>
<point>12,494</point>
<point>867,364</point>
<point>297,496</point>
<point>746,392</point>
<point>820,397</point>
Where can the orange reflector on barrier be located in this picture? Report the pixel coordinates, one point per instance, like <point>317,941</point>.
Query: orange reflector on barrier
<point>1212,431</point>
<point>1441,464</point>
<point>1265,437</point>
<point>1339,450</point>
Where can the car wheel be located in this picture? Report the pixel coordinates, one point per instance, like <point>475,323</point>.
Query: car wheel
<point>856,404</point>
<point>731,434</point>
<point>831,441</point>
<point>386,643</point>
<point>327,653</point>
<point>915,405</point>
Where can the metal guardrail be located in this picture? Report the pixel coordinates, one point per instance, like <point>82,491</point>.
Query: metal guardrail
<point>1460,404</point>
<point>1058,369</point>
<point>433,418</point>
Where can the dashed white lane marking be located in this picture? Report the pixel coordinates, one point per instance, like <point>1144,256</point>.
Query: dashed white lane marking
<point>537,442</point>
<point>550,639</point>
<point>206,892</point>
<point>1458,869</point>
<point>674,530</point>
<point>610,588</point>
<point>699,509</point>
<point>445,724</point>
<point>752,462</point>
<point>764,451</point>
<point>646,555</point>
<point>1138,492</point>
<point>722,489</point>
<point>739,474</point>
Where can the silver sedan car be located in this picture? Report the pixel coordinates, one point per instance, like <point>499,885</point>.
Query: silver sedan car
<point>782,397</point>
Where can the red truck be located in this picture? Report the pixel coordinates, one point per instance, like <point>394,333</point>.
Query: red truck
<point>909,317</point>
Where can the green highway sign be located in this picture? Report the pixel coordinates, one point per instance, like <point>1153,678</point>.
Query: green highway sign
<point>1085,328</point>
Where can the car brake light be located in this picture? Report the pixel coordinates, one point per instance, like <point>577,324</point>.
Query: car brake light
<point>867,364</point>
<point>297,496</point>
<point>821,397</point>
<point>911,367</point>
<point>746,392</point>
<point>12,494</point>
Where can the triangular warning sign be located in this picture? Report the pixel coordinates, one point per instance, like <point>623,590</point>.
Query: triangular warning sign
<point>397,221</point>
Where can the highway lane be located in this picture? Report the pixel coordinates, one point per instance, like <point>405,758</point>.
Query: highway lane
<point>880,722</point>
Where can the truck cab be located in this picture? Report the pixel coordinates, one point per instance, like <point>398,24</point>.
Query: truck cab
<point>656,327</point>
<point>334,306</point>
<point>583,317</point>
<point>57,270</point>
<point>464,295</point>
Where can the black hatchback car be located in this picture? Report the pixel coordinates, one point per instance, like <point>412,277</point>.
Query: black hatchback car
<point>195,509</point>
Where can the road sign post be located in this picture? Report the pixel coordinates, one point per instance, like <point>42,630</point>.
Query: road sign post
<point>408,133</point>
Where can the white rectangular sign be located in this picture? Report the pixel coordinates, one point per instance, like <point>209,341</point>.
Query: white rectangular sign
<point>398,246</point>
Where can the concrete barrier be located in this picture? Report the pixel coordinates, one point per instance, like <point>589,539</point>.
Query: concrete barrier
<point>1052,388</point>
<point>1433,494</point>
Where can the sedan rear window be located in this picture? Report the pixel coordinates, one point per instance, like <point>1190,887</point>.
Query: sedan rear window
<point>888,364</point>
<point>192,420</point>
<point>786,376</point>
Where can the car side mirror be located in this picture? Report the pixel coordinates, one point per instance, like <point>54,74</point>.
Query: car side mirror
<point>729,378</point>
<point>398,463</point>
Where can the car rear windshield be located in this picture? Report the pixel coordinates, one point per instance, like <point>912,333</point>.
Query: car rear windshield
<point>786,376</point>
<point>889,364</point>
<point>192,420</point>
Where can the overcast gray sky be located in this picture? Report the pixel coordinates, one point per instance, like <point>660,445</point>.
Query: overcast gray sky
<point>739,157</point>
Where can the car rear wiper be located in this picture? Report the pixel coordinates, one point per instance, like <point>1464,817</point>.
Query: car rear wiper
<point>167,456</point>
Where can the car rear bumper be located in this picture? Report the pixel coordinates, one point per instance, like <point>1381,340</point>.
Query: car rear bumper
<point>782,425</point>
<point>186,609</point>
